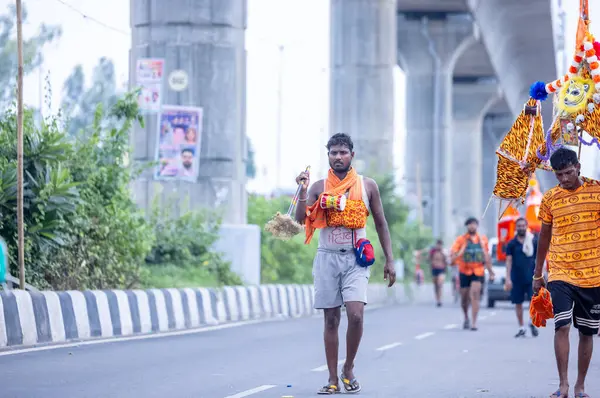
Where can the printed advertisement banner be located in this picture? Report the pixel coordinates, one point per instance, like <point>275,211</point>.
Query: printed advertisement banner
<point>149,77</point>
<point>178,149</point>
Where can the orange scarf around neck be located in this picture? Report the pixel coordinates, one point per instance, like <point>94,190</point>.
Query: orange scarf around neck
<point>316,217</point>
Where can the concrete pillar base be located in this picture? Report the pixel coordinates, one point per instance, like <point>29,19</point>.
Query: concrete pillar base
<point>205,39</point>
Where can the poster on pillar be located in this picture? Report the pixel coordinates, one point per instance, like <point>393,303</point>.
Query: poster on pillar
<point>149,77</point>
<point>178,146</point>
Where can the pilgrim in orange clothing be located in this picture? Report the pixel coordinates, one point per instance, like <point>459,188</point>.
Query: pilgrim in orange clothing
<point>338,206</point>
<point>569,241</point>
<point>355,213</point>
<point>470,254</point>
<point>574,253</point>
<point>470,265</point>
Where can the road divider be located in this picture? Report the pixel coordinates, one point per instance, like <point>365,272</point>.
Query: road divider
<point>38,318</point>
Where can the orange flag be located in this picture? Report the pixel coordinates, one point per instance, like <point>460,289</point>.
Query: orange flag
<point>582,26</point>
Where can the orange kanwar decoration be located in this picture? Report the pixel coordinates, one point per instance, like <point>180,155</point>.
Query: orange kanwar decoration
<point>576,122</point>
<point>506,231</point>
<point>532,207</point>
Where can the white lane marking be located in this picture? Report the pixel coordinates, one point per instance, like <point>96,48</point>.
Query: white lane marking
<point>324,367</point>
<point>450,326</point>
<point>483,318</point>
<point>140,337</point>
<point>388,347</point>
<point>424,335</point>
<point>252,391</point>
<point>493,313</point>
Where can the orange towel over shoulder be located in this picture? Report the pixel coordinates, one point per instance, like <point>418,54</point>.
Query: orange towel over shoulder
<point>541,308</point>
<point>316,217</point>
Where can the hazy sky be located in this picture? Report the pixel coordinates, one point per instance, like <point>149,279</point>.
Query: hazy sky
<point>302,26</point>
<point>305,88</point>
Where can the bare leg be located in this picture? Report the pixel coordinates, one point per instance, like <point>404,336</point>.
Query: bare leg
<point>586,347</point>
<point>330,335</point>
<point>519,309</point>
<point>475,298</point>
<point>464,301</point>
<point>355,311</point>
<point>561,350</point>
<point>439,284</point>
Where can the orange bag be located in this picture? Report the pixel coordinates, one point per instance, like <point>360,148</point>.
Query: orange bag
<point>541,308</point>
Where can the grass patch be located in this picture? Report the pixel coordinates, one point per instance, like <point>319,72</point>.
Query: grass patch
<point>172,276</point>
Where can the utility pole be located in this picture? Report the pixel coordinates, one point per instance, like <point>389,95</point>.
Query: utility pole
<point>419,195</point>
<point>20,230</point>
<point>279,118</point>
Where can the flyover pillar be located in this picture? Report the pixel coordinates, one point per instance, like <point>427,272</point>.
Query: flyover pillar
<point>202,42</point>
<point>471,102</point>
<point>363,57</point>
<point>428,47</point>
<point>495,126</point>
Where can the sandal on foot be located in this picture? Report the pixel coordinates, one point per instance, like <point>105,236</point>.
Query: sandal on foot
<point>557,394</point>
<point>582,395</point>
<point>329,390</point>
<point>351,386</point>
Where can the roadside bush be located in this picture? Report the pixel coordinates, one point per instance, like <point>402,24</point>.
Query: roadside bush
<point>186,242</point>
<point>83,230</point>
<point>281,261</point>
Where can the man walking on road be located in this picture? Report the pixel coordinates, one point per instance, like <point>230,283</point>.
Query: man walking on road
<point>341,265</point>
<point>569,240</point>
<point>470,253</point>
<point>437,259</point>
<point>520,263</point>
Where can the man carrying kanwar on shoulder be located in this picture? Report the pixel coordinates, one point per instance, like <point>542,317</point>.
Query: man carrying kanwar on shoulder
<point>569,241</point>
<point>339,206</point>
<point>470,253</point>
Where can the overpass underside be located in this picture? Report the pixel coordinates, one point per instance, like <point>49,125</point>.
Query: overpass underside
<point>468,66</point>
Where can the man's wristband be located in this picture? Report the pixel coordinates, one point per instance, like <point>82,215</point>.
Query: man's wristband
<point>537,278</point>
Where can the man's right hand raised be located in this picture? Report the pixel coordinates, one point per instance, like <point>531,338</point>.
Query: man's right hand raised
<point>304,179</point>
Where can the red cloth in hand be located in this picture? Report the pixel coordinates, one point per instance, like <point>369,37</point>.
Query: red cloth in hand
<point>541,308</point>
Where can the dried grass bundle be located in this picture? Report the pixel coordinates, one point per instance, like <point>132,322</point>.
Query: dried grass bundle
<point>283,226</point>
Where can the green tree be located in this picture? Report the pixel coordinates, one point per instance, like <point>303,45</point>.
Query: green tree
<point>406,236</point>
<point>82,228</point>
<point>32,51</point>
<point>79,103</point>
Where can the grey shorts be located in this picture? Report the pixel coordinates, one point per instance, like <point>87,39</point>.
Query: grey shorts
<point>338,279</point>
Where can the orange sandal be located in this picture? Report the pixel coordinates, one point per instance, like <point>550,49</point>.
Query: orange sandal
<point>329,390</point>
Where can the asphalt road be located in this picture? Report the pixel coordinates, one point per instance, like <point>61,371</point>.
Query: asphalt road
<point>407,351</point>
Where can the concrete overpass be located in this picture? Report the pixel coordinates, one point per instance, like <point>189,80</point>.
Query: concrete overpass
<point>468,65</point>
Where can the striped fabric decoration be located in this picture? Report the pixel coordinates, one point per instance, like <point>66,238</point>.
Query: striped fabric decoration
<point>29,318</point>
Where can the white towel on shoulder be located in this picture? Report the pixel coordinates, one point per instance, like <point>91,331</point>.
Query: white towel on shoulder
<point>528,244</point>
